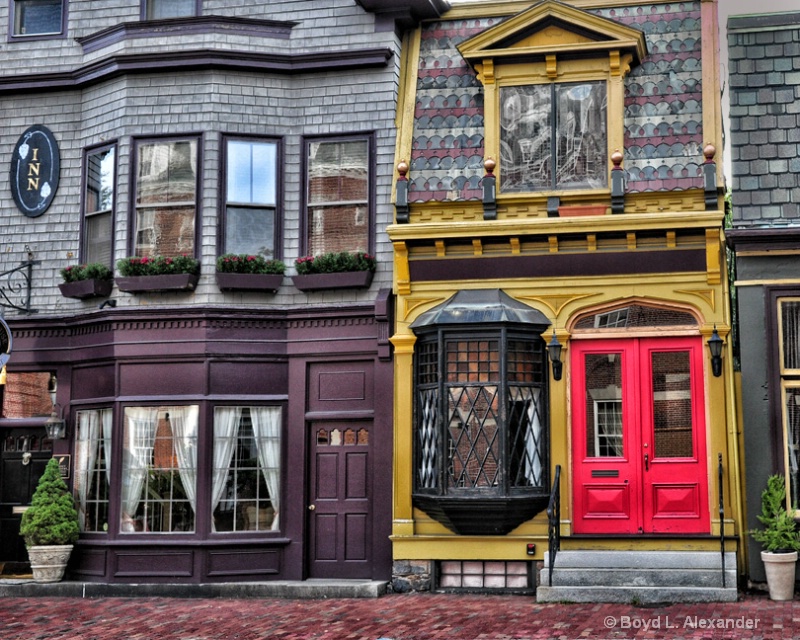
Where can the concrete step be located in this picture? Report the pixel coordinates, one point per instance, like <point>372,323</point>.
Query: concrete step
<point>301,589</point>
<point>638,576</point>
<point>642,577</point>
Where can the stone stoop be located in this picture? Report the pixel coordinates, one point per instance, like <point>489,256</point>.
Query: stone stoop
<point>638,577</point>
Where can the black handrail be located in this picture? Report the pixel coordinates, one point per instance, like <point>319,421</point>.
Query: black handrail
<point>554,523</point>
<point>721,518</point>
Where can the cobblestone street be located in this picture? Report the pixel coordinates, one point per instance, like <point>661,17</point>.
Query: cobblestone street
<point>392,617</point>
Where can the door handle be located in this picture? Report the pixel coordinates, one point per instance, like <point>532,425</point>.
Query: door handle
<point>312,507</point>
<point>646,462</point>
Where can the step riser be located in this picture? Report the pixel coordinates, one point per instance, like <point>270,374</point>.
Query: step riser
<point>642,560</point>
<point>635,578</point>
<point>633,595</point>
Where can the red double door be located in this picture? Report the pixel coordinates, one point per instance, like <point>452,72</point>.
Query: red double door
<point>639,437</point>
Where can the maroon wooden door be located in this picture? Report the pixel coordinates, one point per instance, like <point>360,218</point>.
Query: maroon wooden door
<point>639,441</point>
<point>339,516</point>
<point>24,455</point>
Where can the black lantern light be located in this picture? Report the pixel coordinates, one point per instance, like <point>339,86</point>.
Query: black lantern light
<point>715,348</point>
<point>554,351</point>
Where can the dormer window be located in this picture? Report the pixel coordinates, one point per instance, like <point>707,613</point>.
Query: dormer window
<point>553,136</point>
<point>554,97</point>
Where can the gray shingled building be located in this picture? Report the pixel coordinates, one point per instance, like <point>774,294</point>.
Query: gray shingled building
<point>214,430</point>
<point>764,55</point>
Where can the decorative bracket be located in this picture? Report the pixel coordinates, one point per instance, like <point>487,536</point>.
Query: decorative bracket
<point>15,284</point>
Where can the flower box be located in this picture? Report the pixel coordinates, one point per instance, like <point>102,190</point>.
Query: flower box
<point>82,289</point>
<point>164,282</point>
<point>582,210</point>
<point>338,280</point>
<point>249,281</point>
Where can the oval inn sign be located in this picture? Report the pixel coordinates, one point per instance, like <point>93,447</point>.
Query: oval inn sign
<point>35,169</point>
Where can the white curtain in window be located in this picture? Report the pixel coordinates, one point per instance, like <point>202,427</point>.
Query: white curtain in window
<point>267,429</point>
<point>183,421</point>
<point>107,417</point>
<point>226,431</point>
<point>140,434</point>
<point>85,457</point>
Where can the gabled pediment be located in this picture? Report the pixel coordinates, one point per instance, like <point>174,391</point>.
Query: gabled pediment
<point>554,28</point>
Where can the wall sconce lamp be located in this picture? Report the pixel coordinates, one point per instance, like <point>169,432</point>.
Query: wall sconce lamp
<point>715,344</point>
<point>55,426</point>
<point>554,351</point>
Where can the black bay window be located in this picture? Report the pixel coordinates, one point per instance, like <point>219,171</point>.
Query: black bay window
<point>481,420</point>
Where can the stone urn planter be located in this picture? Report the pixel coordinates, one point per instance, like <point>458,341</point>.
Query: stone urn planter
<point>264,282</point>
<point>49,525</point>
<point>48,562</point>
<point>83,289</point>
<point>164,282</point>
<point>780,569</point>
<point>339,280</point>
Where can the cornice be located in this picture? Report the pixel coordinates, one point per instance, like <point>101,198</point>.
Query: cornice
<point>114,66</point>
<point>180,26</point>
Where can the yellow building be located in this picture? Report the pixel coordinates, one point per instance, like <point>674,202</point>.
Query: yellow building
<point>560,280</point>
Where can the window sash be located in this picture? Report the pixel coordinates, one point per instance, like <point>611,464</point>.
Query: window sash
<point>337,195</point>
<point>98,202</point>
<point>251,197</point>
<point>166,198</point>
<point>553,137</point>
<point>38,17</point>
<point>162,9</point>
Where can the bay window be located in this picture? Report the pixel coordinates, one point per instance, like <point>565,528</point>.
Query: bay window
<point>480,421</point>
<point>166,198</point>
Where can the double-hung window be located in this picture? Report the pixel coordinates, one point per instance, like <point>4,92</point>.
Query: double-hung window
<point>160,9</point>
<point>166,197</point>
<point>37,17</point>
<point>251,197</point>
<point>340,176</point>
<point>98,203</point>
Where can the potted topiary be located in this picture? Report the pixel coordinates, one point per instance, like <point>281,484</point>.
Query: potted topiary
<point>158,273</point>
<point>334,270</point>
<point>83,281</point>
<point>243,272</point>
<point>50,526</point>
<point>780,538</point>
